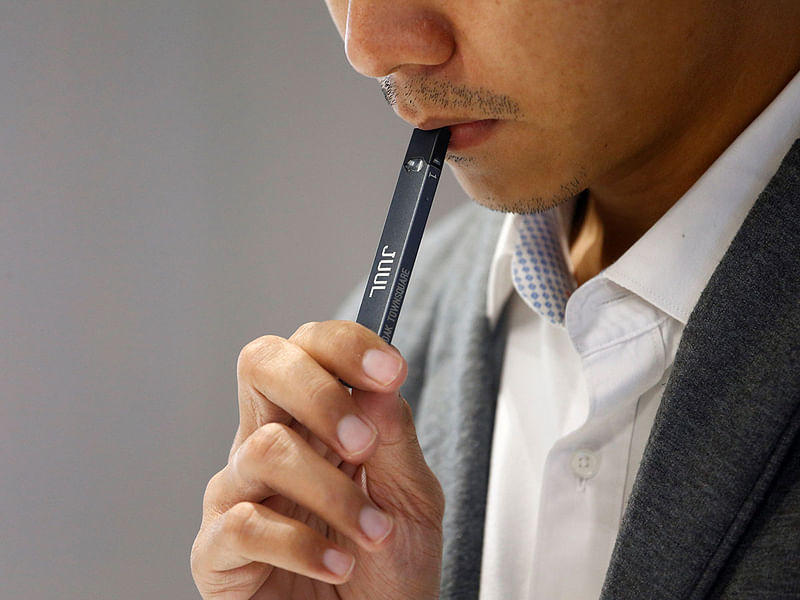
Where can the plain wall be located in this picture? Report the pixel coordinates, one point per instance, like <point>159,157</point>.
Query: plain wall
<point>177,177</point>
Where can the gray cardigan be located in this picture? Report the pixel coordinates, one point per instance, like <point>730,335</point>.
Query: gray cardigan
<point>715,509</point>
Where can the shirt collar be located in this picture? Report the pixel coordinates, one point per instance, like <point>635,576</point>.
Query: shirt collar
<point>670,265</point>
<point>500,283</point>
<point>672,262</point>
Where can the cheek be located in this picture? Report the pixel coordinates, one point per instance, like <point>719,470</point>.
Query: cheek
<point>537,55</point>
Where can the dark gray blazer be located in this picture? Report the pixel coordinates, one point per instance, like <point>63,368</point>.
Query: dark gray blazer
<point>715,509</point>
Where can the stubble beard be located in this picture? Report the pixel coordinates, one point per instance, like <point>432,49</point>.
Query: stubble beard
<point>418,92</point>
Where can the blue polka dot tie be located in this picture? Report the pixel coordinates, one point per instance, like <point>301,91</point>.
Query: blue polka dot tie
<point>539,268</point>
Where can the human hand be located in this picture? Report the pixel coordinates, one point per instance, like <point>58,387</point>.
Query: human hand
<point>326,494</point>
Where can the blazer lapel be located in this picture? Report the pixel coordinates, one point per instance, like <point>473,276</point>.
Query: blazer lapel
<point>728,415</point>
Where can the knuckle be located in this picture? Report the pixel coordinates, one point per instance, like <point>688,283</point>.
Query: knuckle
<point>240,521</point>
<point>198,558</point>
<point>324,389</point>
<point>333,335</point>
<point>256,353</point>
<point>212,490</point>
<point>341,335</point>
<point>195,561</point>
<point>268,444</point>
<point>306,331</point>
<point>351,336</point>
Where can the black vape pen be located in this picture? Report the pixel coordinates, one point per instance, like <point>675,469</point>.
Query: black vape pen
<point>402,232</point>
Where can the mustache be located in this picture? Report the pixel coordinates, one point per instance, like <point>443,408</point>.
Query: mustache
<point>418,92</point>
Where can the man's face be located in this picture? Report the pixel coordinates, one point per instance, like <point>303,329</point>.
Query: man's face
<point>570,94</point>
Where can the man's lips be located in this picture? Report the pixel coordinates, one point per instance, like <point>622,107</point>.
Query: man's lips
<point>464,134</point>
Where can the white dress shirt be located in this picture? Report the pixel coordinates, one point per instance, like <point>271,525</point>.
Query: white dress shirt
<point>577,399</point>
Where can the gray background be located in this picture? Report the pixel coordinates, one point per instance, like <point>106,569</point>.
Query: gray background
<point>177,177</point>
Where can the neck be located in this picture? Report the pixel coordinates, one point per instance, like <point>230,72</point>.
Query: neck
<point>626,202</point>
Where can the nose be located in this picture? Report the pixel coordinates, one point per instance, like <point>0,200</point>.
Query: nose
<point>381,36</point>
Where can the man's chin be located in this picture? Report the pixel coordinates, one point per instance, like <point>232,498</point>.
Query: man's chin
<point>521,203</point>
<point>507,193</point>
<point>518,206</point>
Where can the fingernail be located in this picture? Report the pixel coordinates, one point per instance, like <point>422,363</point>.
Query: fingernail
<point>375,525</point>
<point>354,434</point>
<point>337,562</point>
<point>381,366</point>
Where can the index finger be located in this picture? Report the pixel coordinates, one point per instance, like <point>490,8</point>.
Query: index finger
<point>299,378</point>
<point>353,353</point>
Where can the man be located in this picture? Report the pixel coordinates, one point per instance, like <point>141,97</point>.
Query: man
<point>602,353</point>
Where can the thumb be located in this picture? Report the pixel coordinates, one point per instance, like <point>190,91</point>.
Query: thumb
<point>396,476</point>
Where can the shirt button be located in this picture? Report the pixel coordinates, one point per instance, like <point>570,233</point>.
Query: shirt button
<point>585,464</point>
